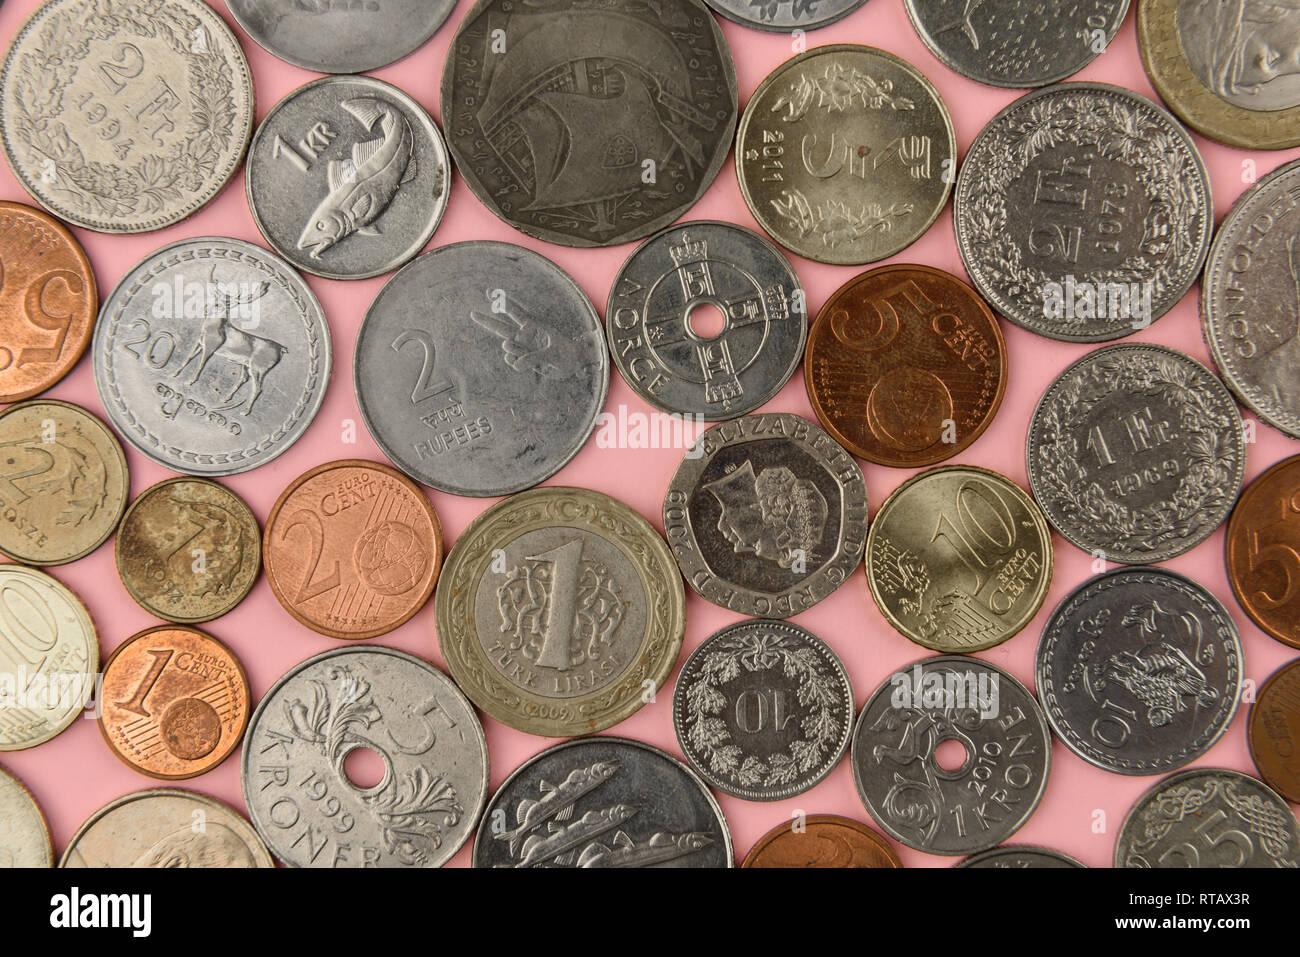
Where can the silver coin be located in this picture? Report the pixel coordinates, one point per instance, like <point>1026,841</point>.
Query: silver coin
<point>166,827</point>
<point>763,710</point>
<point>1209,817</point>
<point>341,36</point>
<point>24,835</point>
<point>211,356</point>
<point>981,797</point>
<point>1083,212</point>
<point>1139,670</point>
<point>1136,453</point>
<point>1019,856</point>
<point>1017,43</point>
<point>125,115</point>
<point>481,368</point>
<point>347,177</point>
<point>589,125</point>
<point>659,307</point>
<point>784,16</point>
<point>766,515</point>
<point>603,802</point>
<point>296,784</point>
<point>1250,299</point>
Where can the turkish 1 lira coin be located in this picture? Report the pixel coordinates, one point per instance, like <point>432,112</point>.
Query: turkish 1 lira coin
<point>24,835</point>
<point>785,16</point>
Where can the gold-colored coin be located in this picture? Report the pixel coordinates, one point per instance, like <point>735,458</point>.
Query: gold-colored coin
<point>63,482</point>
<point>189,550</point>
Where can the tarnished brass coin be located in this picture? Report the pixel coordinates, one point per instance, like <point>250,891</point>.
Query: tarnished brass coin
<point>63,482</point>
<point>959,559</point>
<point>1274,731</point>
<point>1262,551</point>
<point>189,550</point>
<point>24,834</point>
<point>822,840</point>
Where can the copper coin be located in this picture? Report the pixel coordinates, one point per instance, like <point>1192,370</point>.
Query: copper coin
<point>1262,551</point>
<point>48,301</point>
<point>1274,731</point>
<point>906,366</point>
<point>822,840</point>
<point>174,702</point>
<point>189,550</point>
<point>352,549</point>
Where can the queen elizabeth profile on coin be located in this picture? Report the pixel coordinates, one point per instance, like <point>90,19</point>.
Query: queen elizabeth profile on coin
<point>774,514</point>
<point>1246,51</point>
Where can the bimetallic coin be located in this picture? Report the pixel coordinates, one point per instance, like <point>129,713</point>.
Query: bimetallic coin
<point>589,126</point>
<point>822,840</point>
<point>660,310</point>
<point>766,515</point>
<point>603,802</point>
<point>763,710</point>
<point>300,795</point>
<point>1083,212</point>
<point>1017,43</point>
<point>347,177</point>
<point>1139,670</point>
<point>481,368</point>
<point>328,36</point>
<point>959,559</point>
<point>1262,551</point>
<point>49,657</point>
<point>559,609</point>
<point>1274,731</point>
<point>212,356</point>
<point>24,835</point>
<point>125,115</point>
<point>166,827</point>
<point>978,798</point>
<point>1209,817</point>
<point>48,301</point>
<point>63,482</point>
<point>175,702</point>
<point>189,550</point>
<point>1229,68</point>
<point>785,16</point>
<point>352,549</point>
<point>1019,856</point>
<point>845,154</point>
<point>1250,299</point>
<point>906,366</point>
<point>1136,453</point>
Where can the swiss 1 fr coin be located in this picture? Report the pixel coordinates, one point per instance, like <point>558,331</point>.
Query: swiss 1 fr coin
<point>1261,548</point>
<point>1019,856</point>
<point>24,835</point>
<point>785,16</point>
<point>1273,732</point>
<point>822,840</point>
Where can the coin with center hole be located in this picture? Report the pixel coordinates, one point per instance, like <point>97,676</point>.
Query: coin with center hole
<point>24,835</point>
<point>822,840</point>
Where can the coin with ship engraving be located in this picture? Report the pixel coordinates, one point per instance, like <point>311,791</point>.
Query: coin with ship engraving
<point>166,827</point>
<point>1136,453</point>
<point>1262,551</point>
<point>822,840</point>
<point>603,802</point>
<point>211,356</point>
<point>785,16</point>
<point>188,550</point>
<point>1017,43</point>
<point>706,319</point>
<point>560,612</point>
<point>906,366</point>
<point>340,36</point>
<point>1273,732</point>
<point>315,808</point>
<point>1019,856</point>
<point>1229,68</point>
<point>24,835</point>
<point>347,177</point>
<point>48,301</point>
<point>49,657</point>
<point>1209,817</point>
<point>125,116</point>
<point>352,549</point>
<point>845,154</point>
<point>63,482</point>
<point>589,125</point>
<point>766,515</point>
<point>1083,212</point>
<point>763,710</point>
<point>1138,670</point>
<point>1250,299</point>
<point>481,368</point>
<point>959,559</point>
<point>951,755</point>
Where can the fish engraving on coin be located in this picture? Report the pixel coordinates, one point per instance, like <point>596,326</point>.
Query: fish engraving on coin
<point>24,835</point>
<point>1262,551</point>
<point>1273,732</point>
<point>785,16</point>
<point>822,840</point>
<point>1019,856</point>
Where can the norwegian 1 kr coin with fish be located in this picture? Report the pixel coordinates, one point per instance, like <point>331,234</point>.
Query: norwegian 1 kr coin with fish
<point>603,802</point>
<point>212,356</point>
<point>822,840</point>
<point>785,16</point>
<point>1138,670</point>
<point>63,482</point>
<point>347,177</point>
<point>24,835</point>
<point>1019,856</point>
<point>313,810</point>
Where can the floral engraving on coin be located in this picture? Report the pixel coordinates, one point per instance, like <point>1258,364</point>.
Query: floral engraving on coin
<point>1246,51</point>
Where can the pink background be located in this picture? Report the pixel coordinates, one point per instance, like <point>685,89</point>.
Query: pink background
<point>74,774</point>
